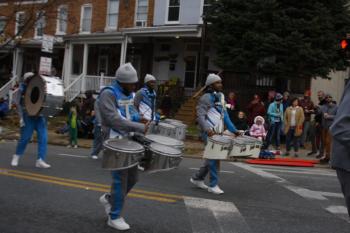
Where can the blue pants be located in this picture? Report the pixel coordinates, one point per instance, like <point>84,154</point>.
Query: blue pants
<point>210,165</point>
<point>39,125</point>
<point>123,182</point>
<point>274,129</point>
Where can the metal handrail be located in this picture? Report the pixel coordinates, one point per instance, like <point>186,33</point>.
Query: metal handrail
<point>5,89</point>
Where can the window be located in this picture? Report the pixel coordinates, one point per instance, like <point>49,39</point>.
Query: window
<point>112,14</point>
<point>40,24</point>
<point>2,24</point>
<point>62,17</point>
<point>173,11</point>
<point>141,13</point>
<point>20,21</point>
<point>85,21</point>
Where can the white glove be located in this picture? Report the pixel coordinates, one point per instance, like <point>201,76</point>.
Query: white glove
<point>21,123</point>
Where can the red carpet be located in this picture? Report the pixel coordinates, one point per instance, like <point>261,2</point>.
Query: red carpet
<point>314,161</point>
<point>282,162</point>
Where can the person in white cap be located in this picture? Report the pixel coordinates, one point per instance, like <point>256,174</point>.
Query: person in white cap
<point>119,117</point>
<point>145,99</point>
<point>28,124</point>
<point>212,117</point>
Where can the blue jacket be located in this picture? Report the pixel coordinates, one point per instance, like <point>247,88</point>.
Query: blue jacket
<point>274,114</point>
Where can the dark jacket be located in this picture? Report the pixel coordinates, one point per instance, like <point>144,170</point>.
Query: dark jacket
<point>340,130</point>
<point>255,109</point>
<point>241,124</point>
<point>331,110</point>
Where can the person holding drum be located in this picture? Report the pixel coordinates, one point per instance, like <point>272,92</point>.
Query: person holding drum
<point>211,117</point>
<point>28,124</point>
<point>119,118</point>
<point>145,100</point>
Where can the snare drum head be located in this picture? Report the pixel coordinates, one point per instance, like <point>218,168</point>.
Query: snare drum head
<point>34,95</point>
<point>124,145</point>
<point>166,125</point>
<point>221,139</point>
<point>163,149</point>
<point>164,140</point>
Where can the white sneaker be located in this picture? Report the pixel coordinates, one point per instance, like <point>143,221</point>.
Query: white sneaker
<point>105,203</point>
<point>75,146</point>
<point>15,160</point>
<point>118,224</point>
<point>42,164</point>
<point>215,190</point>
<point>140,168</point>
<point>69,146</point>
<point>199,183</point>
<point>94,157</point>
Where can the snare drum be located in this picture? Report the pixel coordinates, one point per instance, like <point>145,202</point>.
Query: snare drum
<point>44,96</point>
<point>180,129</point>
<point>167,141</point>
<point>218,147</point>
<point>121,154</point>
<point>166,129</point>
<point>163,158</point>
<point>239,148</point>
<point>257,146</point>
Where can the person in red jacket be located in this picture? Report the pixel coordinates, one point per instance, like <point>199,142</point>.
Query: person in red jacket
<point>255,108</point>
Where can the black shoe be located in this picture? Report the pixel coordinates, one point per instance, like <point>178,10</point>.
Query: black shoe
<point>311,153</point>
<point>324,161</point>
<point>319,156</point>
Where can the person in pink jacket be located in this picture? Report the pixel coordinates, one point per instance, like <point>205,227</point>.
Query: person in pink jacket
<point>258,130</point>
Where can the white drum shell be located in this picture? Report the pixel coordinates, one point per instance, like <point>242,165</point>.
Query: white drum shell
<point>217,150</point>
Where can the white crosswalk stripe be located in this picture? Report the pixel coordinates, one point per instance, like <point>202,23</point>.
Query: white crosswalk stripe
<point>212,216</point>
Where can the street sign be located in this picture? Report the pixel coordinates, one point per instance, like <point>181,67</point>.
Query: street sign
<point>45,65</point>
<point>47,44</point>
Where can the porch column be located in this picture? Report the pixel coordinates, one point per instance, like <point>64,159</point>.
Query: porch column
<point>17,65</point>
<point>124,48</point>
<point>85,64</point>
<point>67,64</point>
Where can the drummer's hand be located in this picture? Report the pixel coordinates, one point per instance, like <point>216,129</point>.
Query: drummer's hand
<point>238,133</point>
<point>210,133</point>
<point>144,121</point>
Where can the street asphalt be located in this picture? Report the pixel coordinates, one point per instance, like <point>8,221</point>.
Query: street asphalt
<point>257,199</point>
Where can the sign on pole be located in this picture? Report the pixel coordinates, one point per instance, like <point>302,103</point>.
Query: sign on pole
<point>47,44</point>
<point>45,65</point>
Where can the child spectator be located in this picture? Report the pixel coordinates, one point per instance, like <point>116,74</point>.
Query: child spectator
<point>258,130</point>
<point>241,122</point>
<point>73,127</point>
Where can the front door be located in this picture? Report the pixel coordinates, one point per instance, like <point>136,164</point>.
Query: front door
<point>102,64</point>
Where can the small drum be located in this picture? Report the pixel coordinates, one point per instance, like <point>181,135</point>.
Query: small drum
<point>257,146</point>
<point>218,147</point>
<point>170,121</point>
<point>167,141</point>
<point>162,158</point>
<point>120,154</point>
<point>166,129</point>
<point>239,148</point>
<point>44,96</point>
<point>180,129</point>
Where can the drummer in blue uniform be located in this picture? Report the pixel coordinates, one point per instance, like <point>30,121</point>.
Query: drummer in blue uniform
<point>146,98</point>
<point>119,118</point>
<point>212,117</point>
<point>28,124</point>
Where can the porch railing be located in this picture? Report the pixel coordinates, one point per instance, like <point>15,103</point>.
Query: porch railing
<point>5,89</point>
<point>94,83</point>
<point>74,88</point>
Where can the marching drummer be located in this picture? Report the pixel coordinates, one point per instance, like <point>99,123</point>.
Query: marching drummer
<point>145,99</point>
<point>28,124</point>
<point>119,118</point>
<point>212,117</point>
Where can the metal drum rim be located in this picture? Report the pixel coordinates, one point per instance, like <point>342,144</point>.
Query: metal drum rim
<point>163,153</point>
<point>123,150</point>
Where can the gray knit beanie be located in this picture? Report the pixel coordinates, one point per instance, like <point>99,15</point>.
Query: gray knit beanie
<point>126,74</point>
<point>149,77</point>
<point>212,78</point>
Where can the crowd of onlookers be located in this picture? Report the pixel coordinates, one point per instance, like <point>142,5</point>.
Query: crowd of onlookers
<point>296,121</point>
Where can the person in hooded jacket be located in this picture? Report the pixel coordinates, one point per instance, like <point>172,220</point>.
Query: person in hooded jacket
<point>340,159</point>
<point>211,117</point>
<point>119,117</point>
<point>28,124</point>
<point>258,129</point>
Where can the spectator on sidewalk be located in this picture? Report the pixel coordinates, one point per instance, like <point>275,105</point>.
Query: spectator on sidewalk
<point>270,99</point>
<point>241,122</point>
<point>286,100</point>
<point>255,108</point>
<point>317,129</point>
<point>293,126</point>
<point>309,109</point>
<point>329,110</point>
<point>258,129</point>
<point>340,131</point>
<point>275,116</point>
<point>98,136</point>
<point>73,127</point>
<point>231,106</point>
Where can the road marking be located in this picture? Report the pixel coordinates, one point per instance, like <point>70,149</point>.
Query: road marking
<point>136,193</point>
<point>221,171</point>
<point>259,172</point>
<point>74,156</point>
<point>337,209</point>
<point>306,193</point>
<point>227,218</point>
<point>300,172</point>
